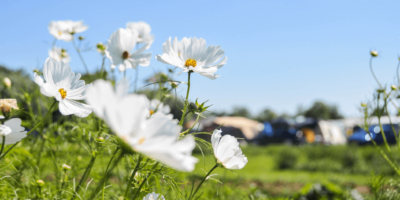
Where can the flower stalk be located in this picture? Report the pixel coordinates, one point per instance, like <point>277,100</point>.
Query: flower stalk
<point>37,125</point>
<point>186,101</point>
<point>202,181</point>
<point>128,187</point>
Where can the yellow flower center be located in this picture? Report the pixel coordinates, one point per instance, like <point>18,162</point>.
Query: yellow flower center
<point>125,55</point>
<point>151,112</point>
<point>141,140</point>
<point>190,62</point>
<point>62,92</point>
<point>59,33</point>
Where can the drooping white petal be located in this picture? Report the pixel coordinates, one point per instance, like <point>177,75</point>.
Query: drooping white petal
<point>15,131</point>
<point>69,107</point>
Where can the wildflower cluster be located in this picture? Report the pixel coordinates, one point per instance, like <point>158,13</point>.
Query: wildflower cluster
<point>139,131</point>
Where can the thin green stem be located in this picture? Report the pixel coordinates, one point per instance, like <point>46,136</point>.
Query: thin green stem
<point>102,67</point>
<point>373,74</point>
<point>376,146</point>
<point>202,181</point>
<point>37,125</point>
<point>194,124</point>
<point>85,174</point>
<point>82,60</point>
<point>380,124</point>
<point>186,101</point>
<point>396,135</point>
<point>143,182</point>
<point>128,188</point>
<point>106,173</point>
<point>3,144</point>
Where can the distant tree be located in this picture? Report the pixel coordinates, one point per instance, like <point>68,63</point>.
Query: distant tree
<point>266,115</point>
<point>240,112</point>
<point>323,111</point>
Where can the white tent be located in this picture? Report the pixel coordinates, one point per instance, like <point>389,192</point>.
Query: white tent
<point>332,133</point>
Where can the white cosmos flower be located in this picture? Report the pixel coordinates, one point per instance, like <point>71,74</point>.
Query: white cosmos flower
<point>143,30</point>
<point>64,85</point>
<point>126,114</point>
<point>156,104</point>
<point>119,50</point>
<point>65,30</point>
<point>59,54</point>
<point>153,196</point>
<point>13,131</point>
<point>191,54</point>
<point>227,151</point>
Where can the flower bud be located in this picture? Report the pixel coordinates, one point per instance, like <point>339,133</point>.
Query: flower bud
<point>66,167</point>
<point>7,82</point>
<point>100,139</point>
<point>173,84</point>
<point>40,183</point>
<point>393,87</point>
<point>79,158</point>
<point>380,91</point>
<point>374,53</point>
<point>7,104</point>
<point>364,105</point>
<point>192,106</point>
<point>81,38</point>
<point>101,48</point>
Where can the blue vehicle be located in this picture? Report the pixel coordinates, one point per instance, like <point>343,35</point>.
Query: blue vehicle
<point>277,131</point>
<point>361,137</point>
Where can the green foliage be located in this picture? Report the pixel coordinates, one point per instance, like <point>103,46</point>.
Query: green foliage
<point>323,111</point>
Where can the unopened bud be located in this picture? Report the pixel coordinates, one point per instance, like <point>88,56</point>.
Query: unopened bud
<point>7,104</point>
<point>393,87</point>
<point>40,183</point>
<point>100,139</point>
<point>79,158</point>
<point>374,53</point>
<point>173,84</point>
<point>66,167</point>
<point>81,38</point>
<point>380,91</point>
<point>364,105</point>
<point>192,106</point>
<point>101,48</point>
<point>7,82</point>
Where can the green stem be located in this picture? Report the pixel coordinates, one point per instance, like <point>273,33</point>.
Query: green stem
<point>373,74</point>
<point>187,131</point>
<point>106,174</point>
<point>83,61</point>
<point>87,172</point>
<point>3,144</point>
<point>102,67</point>
<point>128,188</point>
<point>376,146</point>
<point>380,124</point>
<point>396,135</point>
<point>143,182</point>
<point>186,101</point>
<point>202,181</point>
<point>37,125</point>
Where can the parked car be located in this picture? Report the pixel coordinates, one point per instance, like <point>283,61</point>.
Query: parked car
<point>277,131</point>
<point>360,136</point>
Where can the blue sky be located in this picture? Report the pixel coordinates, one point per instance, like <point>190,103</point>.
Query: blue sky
<point>282,54</point>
